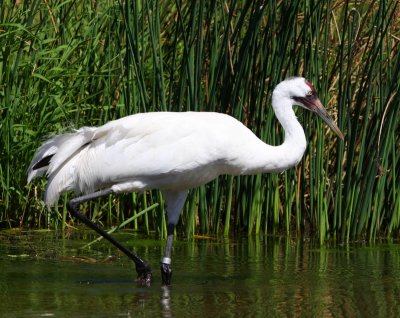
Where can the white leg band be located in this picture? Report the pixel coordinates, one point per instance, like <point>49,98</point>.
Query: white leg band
<point>166,260</point>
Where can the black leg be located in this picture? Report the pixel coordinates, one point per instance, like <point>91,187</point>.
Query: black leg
<point>166,271</point>
<point>175,201</point>
<point>142,267</point>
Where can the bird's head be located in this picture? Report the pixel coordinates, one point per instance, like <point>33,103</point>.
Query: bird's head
<point>302,93</point>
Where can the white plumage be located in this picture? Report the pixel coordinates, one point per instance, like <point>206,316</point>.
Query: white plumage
<point>176,151</point>
<point>171,151</point>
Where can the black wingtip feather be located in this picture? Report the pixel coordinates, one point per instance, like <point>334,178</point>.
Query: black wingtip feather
<point>42,163</point>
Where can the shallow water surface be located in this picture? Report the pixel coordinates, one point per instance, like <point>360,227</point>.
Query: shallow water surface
<point>44,276</point>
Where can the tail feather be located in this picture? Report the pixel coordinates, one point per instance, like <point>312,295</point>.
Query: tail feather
<point>69,147</point>
<point>59,182</point>
<point>54,154</point>
<point>39,163</point>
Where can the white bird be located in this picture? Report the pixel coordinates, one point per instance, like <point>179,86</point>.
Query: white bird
<point>170,151</point>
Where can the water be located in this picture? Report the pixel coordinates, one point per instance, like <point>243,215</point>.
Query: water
<point>44,276</point>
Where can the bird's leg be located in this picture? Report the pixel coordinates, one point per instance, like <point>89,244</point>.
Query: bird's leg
<point>175,201</point>
<point>166,271</point>
<point>142,267</point>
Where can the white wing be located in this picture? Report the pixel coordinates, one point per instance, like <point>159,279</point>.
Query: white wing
<point>163,150</point>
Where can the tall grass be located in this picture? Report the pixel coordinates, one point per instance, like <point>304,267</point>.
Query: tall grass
<point>68,64</point>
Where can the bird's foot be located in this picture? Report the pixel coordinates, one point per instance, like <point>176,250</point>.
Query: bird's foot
<point>166,271</point>
<point>145,275</point>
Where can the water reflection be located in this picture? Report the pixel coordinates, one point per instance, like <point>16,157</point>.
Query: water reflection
<point>260,276</point>
<point>166,301</point>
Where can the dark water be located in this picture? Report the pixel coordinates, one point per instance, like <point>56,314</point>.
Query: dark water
<point>43,276</point>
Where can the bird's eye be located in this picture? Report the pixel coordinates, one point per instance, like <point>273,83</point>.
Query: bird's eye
<point>309,93</point>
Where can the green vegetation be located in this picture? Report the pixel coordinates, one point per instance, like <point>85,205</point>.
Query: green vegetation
<point>73,63</point>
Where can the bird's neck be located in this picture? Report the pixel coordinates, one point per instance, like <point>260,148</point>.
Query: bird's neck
<point>294,145</point>
<point>260,157</point>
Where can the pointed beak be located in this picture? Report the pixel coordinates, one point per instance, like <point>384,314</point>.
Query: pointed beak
<point>313,104</point>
